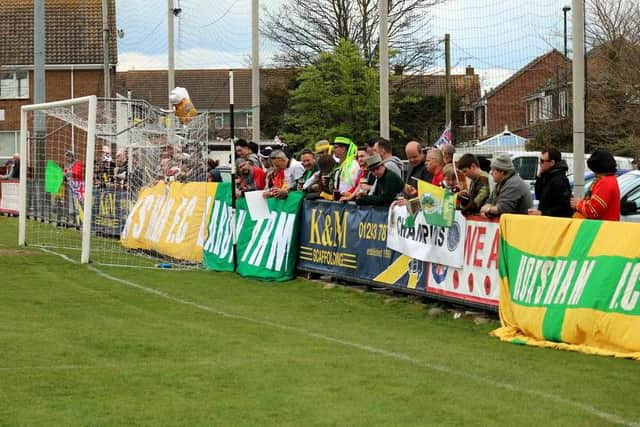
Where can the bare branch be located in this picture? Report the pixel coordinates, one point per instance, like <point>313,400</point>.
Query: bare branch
<point>303,30</point>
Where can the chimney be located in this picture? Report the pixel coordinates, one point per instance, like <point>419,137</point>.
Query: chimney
<point>470,71</point>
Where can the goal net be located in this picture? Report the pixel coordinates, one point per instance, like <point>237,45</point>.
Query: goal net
<point>87,162</point>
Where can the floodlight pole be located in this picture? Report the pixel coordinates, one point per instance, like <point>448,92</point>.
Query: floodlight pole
<point>383,6</point>
<point>233,174</point>
<point>578,96</point>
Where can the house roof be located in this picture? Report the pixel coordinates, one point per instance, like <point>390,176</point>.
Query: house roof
<point>208,89</point>
<point>504,139</point>
<point>466,87</point>
<point>531,65</point>
<point>73,32</point>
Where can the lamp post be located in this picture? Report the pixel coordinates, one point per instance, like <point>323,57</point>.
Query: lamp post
<point>565,9</point>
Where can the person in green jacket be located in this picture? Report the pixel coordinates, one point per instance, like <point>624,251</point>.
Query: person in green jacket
<point>386,187</point>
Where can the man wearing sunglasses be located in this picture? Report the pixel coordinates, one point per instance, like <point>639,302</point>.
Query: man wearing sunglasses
<point>552,185</point>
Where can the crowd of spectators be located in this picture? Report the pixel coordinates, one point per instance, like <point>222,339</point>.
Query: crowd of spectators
<point>371,174</point>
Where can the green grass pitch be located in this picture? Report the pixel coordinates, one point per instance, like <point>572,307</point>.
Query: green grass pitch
<point>97,346</point>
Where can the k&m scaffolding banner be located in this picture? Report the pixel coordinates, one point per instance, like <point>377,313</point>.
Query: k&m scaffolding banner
<point>570,284</point>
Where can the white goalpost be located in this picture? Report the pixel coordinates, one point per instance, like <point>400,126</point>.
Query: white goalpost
<point>41,123</point>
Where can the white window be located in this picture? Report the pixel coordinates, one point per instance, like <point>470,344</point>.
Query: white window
<point>547,107</point>
<point>8,144</point>
<point>533,111</point>
<point>242,120</point>
<point>562,103</point>
<point>14,84</point>
<point>219,121</point>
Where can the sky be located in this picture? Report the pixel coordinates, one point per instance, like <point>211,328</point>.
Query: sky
<point>496,37</point>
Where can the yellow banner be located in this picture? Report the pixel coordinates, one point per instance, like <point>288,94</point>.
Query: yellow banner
<point>572,284</point>
<point>171,219</point>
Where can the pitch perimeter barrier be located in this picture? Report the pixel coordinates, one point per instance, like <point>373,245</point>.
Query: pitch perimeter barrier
<point>350,243</point>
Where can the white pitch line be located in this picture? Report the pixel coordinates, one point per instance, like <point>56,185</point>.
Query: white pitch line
<point>608,416</point>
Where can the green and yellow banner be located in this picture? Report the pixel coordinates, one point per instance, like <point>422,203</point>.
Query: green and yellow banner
<point>438,205</point>
<point>571,284</point>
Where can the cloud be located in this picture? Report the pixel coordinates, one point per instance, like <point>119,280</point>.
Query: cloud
<point>196,58</point>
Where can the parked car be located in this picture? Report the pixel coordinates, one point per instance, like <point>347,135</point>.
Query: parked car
<point>590,176</point>
<point>630,196</point>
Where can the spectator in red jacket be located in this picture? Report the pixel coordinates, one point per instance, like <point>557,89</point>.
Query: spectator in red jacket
<point>250,177</point>
<point>602,201</point>
<point>435,164</point>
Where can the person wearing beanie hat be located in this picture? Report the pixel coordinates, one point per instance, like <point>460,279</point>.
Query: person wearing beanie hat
<point>602,201</point>
<point>502,162</point>
<point>511,194</point>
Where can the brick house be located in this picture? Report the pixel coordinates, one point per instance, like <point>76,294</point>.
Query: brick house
<point>73,57</point>
<point>209,92</point>
<point>617,59</point>
<point>505,105</point>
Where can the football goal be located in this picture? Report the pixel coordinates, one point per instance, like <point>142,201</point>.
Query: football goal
<point>85,162</point>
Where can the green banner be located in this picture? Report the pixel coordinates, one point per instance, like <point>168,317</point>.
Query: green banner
<point>266,249</point>
<point>218,248</point>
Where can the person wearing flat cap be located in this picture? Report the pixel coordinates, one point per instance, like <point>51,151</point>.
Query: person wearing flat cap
<point>602,201</point>
<point>386,186</point>
<point>511,194</point>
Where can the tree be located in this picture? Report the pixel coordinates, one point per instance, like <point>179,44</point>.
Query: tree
<point>275,100</point>
<point>556,134</point>
<point>337,96</point>
<point>420,116</point>
<point>613,73</point>
<point>305,29</point>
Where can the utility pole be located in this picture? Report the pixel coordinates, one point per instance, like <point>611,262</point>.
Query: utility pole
<point>255,69</point>
<point>171,80</point>
<point>578,96</point>
<point>447,78</point>
<point>105,48</point>
<point>39,89</point>
<point>383,6</point>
